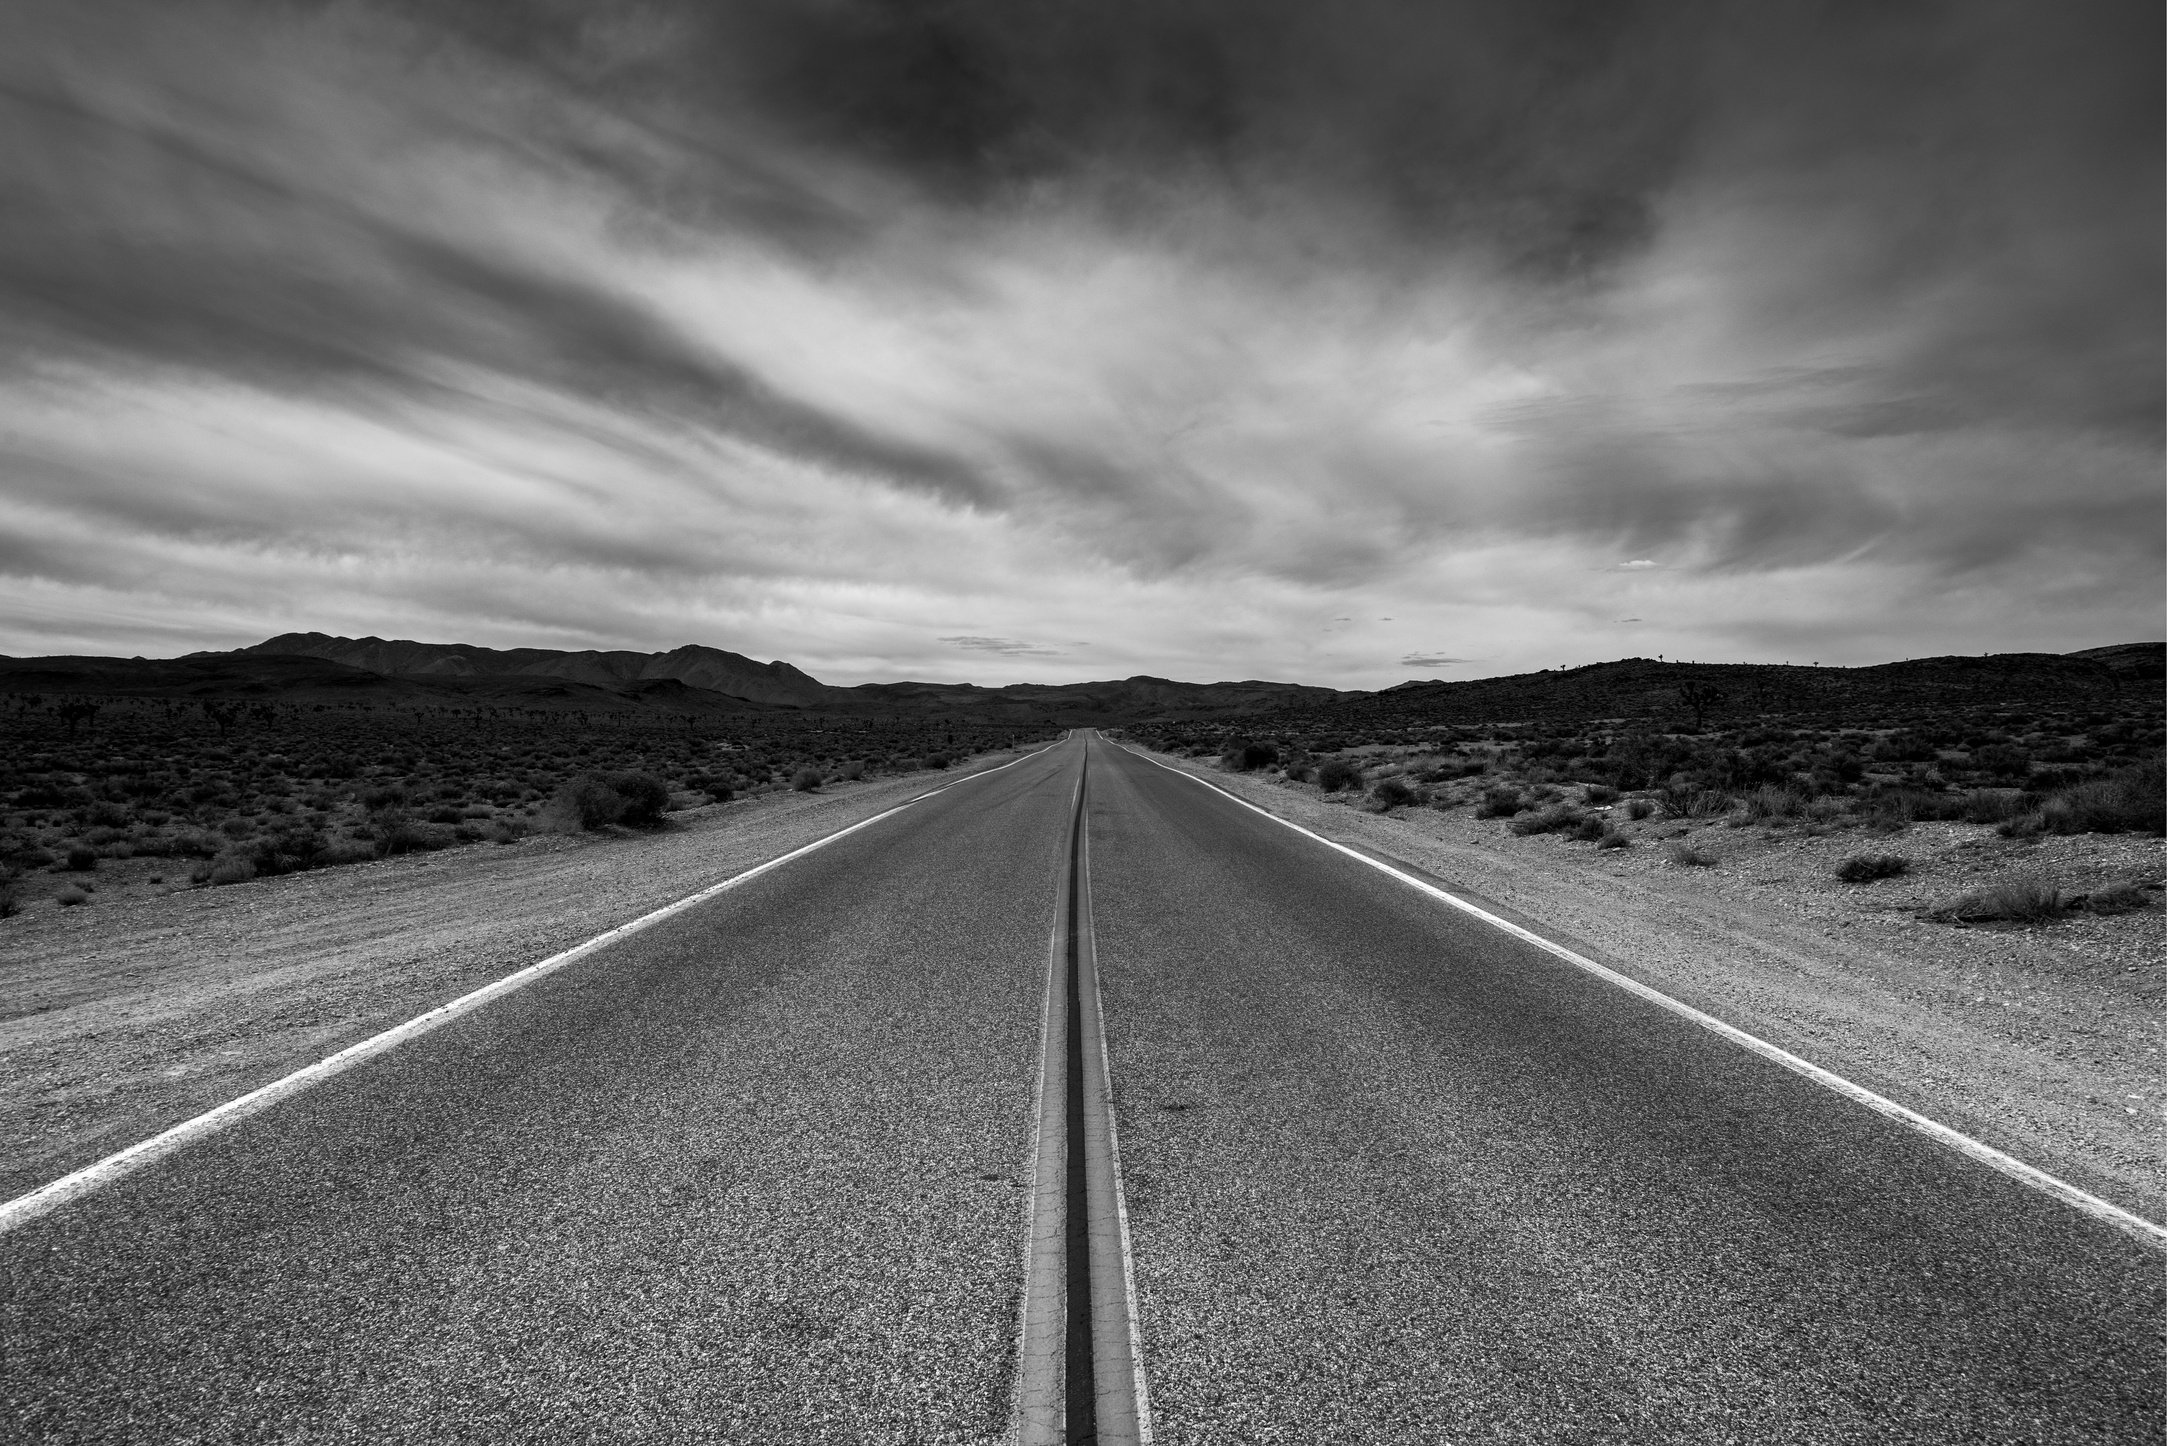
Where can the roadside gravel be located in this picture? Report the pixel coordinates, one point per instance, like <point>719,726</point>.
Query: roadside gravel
<point>124,1018</point>
<point>2047,1042</point>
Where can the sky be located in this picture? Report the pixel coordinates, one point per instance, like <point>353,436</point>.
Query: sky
<point>1037,340</point>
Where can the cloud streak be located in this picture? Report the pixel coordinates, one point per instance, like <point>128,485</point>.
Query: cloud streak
<point>861,334</point>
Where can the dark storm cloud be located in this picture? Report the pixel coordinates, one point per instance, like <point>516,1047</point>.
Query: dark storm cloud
<point>1272,301</point>
<point>1536,127</point>
<point>137,240</point>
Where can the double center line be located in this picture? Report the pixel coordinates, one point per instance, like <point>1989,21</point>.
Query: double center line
<point>1079,1376</point>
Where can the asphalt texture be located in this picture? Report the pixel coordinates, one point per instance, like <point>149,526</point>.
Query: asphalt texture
<point>1394,1176</point>
<point>752,1175</point>
<point>757,1174</point>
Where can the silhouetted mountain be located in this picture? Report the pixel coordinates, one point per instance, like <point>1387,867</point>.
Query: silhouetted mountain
<point>1648,689</point>
<point>308,668</point>
<point>710,669</point>
<point>704,678</point>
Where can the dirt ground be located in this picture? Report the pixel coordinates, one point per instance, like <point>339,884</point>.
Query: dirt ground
<point>2044,1041</point>
<point>154,1002</point>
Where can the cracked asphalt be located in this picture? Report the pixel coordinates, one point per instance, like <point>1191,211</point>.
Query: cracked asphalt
<point>756,1175</point>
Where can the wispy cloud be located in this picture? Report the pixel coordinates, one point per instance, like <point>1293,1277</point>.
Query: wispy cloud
<point>1006,647</point>
<point>1431,660</point>
<point>806,330</point>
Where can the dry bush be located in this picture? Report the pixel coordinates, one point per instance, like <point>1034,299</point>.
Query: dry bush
<point>1865,868</point>
<point>1640,808</point>
<point>584,802</point>
<point>1499,803</point>
<point>1390,793</point>
<point>232,868</point>
<point>1558,818</point>
<point>1613,840</point>
<point>806,780</point>
<point>2022,899</point>
<point>1338,773</point>
<point>646,798</point>
<point>2132,801</point>
<point>70,896</point>
<point>1685,855</point>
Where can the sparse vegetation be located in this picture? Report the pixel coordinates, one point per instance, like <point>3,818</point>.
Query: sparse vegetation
<point>2021,899</point>
<point>1339,773</point>
<point>1500,802</point>
<point>1865,868</point>
<point>2030,746</point>
<point>1391,793</point>
<point>288,786</point>
<point>1685,855</point>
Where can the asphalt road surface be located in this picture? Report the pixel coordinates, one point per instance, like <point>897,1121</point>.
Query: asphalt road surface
<point>759,1174</point>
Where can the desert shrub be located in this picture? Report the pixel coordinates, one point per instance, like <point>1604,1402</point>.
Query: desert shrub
<point>445,814</point>
<point>1685,799</point>
<point>584,802</point>
<point>935,760</point>
<point>1301,773</point>
<point>2003,759</point>
<point>1591,829</point>
<point>1685,855</point>
<point>1392,792</point>
<point>2132,801</point>
<point>851,771</point>
<point>1339,773</point>
<point>1865,868</point>
<point>81,858</point>
<point>11,898</point>
<point>1499,803</point>
<point>231,868</point>
<point>806,780</point>
<point>716,786</point>
<point>1993,805</point>
<point>1770,802</point>
<point>2024,825</point>
<point>1599,793</point>
<point>33,857</point>
<point>1612,839</point>
<point>1246,757</point>
<point>2022,899</point>
<point>646,798</point>
<point>70,896</point>
<point>1558,818</point>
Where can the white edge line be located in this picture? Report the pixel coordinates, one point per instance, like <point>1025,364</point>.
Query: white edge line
<point>51,1196</point>
<point>2090,1204</point>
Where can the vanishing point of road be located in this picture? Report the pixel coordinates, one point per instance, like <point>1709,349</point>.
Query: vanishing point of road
<point>1074,1101</point>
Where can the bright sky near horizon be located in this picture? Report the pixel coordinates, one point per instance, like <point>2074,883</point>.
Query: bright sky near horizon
<point>1001,341</point>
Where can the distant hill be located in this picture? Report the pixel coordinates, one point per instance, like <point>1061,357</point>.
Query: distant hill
<point>695,680</point>
<point>1647,688</point>
<point>710,669</point>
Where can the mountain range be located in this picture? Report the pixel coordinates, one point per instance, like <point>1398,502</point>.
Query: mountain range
<point>320,668</point>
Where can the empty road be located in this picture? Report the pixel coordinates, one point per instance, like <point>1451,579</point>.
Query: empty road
<point>763,1172</point>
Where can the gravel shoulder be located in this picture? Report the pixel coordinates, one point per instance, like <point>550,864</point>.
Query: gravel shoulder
<point>124,1017</point>
<point>2046,1042</point>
